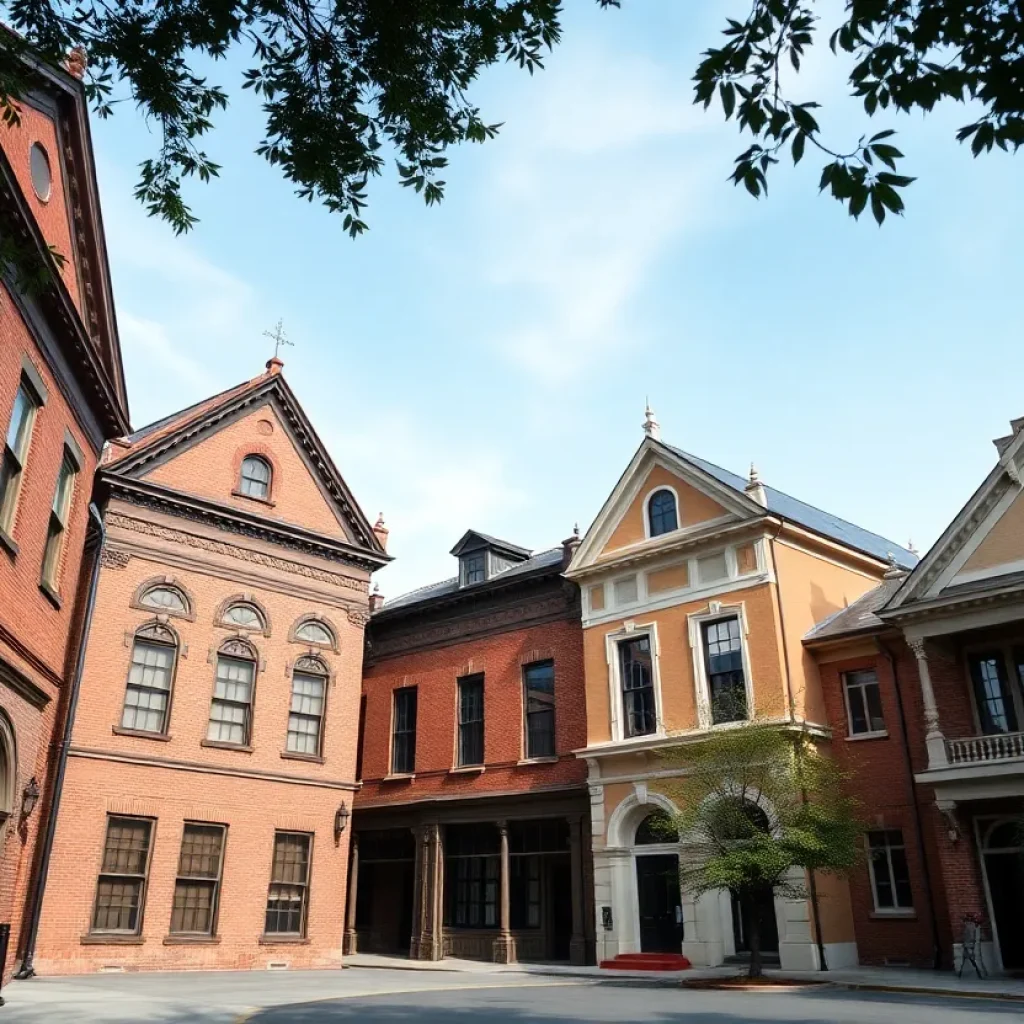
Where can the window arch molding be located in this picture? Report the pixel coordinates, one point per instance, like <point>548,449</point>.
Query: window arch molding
<point>322,620</point>
<point>660,489</point>
<point>310,679</point>
<point>156,649</point>
<point>247,483</point>
<point>8,770</point>
<point>221,616</point>
<point>172,584</point>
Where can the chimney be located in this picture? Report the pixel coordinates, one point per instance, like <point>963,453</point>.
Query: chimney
<point>755,489</point>
<point>569,546</point>
<point>380,531</point>
<point>76,62</point>
<point>274,366</point>
<point>376,599</point>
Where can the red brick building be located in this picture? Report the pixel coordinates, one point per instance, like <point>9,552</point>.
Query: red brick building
<point>925,678</point>
<point>62,394</point>
<point>211,766</point>
<point>472,822</point>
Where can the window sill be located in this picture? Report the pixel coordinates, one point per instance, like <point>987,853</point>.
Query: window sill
<point>893,915</point>
<point>867,736</point>
<point>399,777</point>
<point>50,594</point>
<point>120,730</point>
<point>283,940</point>
<point>110,939</point>
<point>468,769</point>
<point>290,755</point>
<point>269,502</point>
<point>191,940</point>
<point>242,748</point>
<point>8,543</point>
<point>547,759</point>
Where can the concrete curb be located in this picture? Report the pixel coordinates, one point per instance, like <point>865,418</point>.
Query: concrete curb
<point>863,986</point>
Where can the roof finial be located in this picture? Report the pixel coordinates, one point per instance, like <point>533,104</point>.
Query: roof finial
<point>277,336</point>
<point>755,489</point>
<point>894,571</point>
<point>380,531</point>
<point>652,428</point>
<point>911,548</point>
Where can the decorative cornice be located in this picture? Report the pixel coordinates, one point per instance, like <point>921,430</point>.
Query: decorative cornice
<point>23,686</point>
<point>113,558</point>
<point>30,657</point>
<point>167,533</point>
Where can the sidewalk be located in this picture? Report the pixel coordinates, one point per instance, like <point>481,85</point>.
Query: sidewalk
<point>884,979</point>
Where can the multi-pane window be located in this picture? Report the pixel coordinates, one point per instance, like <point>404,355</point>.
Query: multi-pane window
<point>165,599</point>
<point>148,693</point>
<point>403,732</point>
<point>662,516</point>
<point>16,443</point>
<point>231,709</point>
<point>471,720</point>
<point>58,525</point>
<point>306,715</point>
<point>245,615</point>
<point>255,477</point>
<point>890,876</point>
<point>121,890</point>
<point>863,703</point>
<point>723,663</point>
<point>539,708</point>
<point>524,891</point>
<point>474,568</point>
<point>636,673</point>
<point>314,632</point>
<point>197,886</point>
<point>473,882</point>
<point>288,898</point>
<point>992,695</point>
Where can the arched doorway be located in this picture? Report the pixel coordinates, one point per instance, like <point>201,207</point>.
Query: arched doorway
<point>659,903</point>
<point>1002,847</point>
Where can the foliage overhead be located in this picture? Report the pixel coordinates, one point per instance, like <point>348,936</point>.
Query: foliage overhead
<point>345,83</point>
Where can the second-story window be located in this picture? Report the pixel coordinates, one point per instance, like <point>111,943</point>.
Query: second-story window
<point>58,525</point>
<point>863,703</point>
<point>471,721</point>
<point>662,516</point>
<point>164,598</point>
<point>992,695</point>
<point>723,663</point>
<point>306,715</point>
<point>147,696</point>
<point>636,673</point>
<point>16,445</point>
<point>231,707</point>
<point>539,708</point>
<point>254,480</point>
<point>403,732</point>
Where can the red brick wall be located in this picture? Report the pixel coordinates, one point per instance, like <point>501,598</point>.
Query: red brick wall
<point>434,673</point>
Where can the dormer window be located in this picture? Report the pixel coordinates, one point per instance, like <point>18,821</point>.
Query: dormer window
<point>482,558</point>
<point>474,568</point>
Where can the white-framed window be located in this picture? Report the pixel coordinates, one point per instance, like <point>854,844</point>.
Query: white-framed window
<point>721,664</point>
<point>661,511</point>
<point>863,703</point>
<point>634,681</point>
<point>890,874</point>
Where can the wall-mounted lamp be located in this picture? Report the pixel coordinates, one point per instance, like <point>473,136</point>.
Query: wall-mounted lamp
<point>341,816</point>
<point>29,797</point>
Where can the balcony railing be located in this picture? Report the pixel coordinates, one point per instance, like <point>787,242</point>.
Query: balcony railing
<point>984,749</point>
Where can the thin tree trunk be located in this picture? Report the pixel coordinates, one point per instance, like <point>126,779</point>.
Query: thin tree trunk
<point>754,939</point>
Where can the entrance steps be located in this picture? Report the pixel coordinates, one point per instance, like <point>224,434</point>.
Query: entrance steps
<point>647,962</point>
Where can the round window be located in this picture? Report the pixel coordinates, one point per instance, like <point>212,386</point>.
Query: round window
<point>39,163</point>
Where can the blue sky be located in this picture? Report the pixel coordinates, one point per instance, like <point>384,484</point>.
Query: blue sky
<point>485,363</point>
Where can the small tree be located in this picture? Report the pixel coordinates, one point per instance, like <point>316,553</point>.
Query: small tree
<point>759,801</point>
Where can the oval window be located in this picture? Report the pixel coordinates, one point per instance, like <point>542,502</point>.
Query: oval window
<point>39,164</point>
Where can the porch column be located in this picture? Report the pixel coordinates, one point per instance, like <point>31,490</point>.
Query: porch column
<point>577,944</point>
<point>350,944</point>
<point>504,944</point>
<point>935,742</point>
<point>428,941</point>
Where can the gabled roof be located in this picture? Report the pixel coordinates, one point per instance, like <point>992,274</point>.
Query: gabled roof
<point>474,540</point>
<point>130,456</point>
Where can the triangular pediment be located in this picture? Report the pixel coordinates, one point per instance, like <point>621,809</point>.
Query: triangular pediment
<point>702,502</point>
<point>199,453</point>
<point>983,547</point>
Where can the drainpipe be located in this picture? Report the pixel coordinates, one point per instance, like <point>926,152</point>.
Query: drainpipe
<point>29,944</point>
<point>918,824</point>
<point>812,883</point>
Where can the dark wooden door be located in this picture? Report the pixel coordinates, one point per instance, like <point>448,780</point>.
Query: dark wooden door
<point>1006,884</point>
<point>560,887</point>
<point>660,906</point>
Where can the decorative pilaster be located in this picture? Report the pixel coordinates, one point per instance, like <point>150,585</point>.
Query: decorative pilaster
<point>933,738</point>
<point>577,944</point>
<point>428,938</point>
<point>350,943</point>
<point>504,944</point>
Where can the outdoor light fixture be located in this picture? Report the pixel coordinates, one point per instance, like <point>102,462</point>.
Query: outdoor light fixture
<point>341,816</point>
<point>30,797</point>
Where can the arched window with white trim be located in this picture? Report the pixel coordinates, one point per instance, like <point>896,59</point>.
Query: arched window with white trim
<point>662,513</point>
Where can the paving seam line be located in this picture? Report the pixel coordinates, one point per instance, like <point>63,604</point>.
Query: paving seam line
<point>246,1015</point>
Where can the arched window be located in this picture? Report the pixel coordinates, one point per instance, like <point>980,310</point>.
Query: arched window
<point>244,615</point>
<point>306,716</point>
<point>8,768</point>
<point>231,707</point>
<point>254,481</point>
<point>662,516</point>
<point>313,631</point>
<point>657,827</point>
<point>147,697</point>
<point>163,598</point>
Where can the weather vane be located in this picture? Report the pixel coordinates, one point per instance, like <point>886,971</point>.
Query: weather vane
<point>277,336</point>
